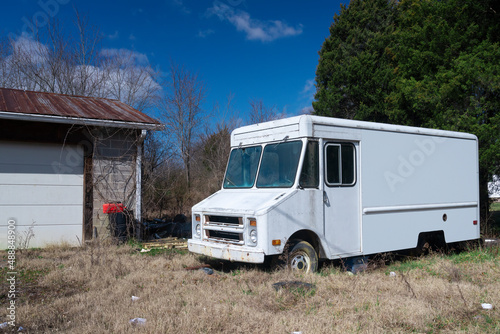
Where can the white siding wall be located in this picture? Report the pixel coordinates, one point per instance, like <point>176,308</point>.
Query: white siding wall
<point>41,185</point>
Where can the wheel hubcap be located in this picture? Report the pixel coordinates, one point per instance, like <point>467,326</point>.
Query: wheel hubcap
<point>300,262</point>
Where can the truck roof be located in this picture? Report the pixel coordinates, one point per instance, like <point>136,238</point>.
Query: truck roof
<point>304,126</point>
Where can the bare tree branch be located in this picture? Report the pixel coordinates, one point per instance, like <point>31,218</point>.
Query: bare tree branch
<point>182,112</point>
<point>260,113</point>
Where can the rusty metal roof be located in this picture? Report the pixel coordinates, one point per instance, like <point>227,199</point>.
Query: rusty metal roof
<point>16,103</point>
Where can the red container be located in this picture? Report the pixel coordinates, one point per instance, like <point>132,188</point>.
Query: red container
<point>113,207</point>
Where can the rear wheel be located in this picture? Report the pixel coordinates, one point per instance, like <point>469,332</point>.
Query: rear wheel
<point>303,258</point>
<point>430,242</point>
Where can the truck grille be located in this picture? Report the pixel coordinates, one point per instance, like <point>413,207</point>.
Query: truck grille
<point>225,229</point>
<point>224,220</point>
<point>229,236</point>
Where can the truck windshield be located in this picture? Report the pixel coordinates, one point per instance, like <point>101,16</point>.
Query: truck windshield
<point>242,167</point>
<point>279,165</point>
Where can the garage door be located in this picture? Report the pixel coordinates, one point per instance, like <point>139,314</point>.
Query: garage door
<point>41,190</point>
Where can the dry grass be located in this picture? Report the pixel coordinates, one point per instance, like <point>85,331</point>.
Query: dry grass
<point>88,290</point>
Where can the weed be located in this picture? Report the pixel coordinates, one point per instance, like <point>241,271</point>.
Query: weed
<point>248,291</point>
<point>281,261</point>
<point>462,296</point>
<point>404,278</point>
<point>26,237</point>
<point>329,270</point>
<point>134,243</point>
<point>478,255</point>
<point>454,274</point>
<point>408,266</point>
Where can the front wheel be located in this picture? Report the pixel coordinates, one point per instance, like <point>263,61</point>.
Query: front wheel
<point>303,258</point>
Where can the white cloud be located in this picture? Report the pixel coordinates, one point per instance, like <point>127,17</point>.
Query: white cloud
<point>307,110</point>
<point>129,77</point>
<point>307,94</point>
<point>264,31</point>
<point>30,50</point>
<point>119,73</point>
<point>115,35</point>
<point>130,85</point>
<point>25,55</point>
<point>126,56</point>
<point>205,33</point>
<point>309,87</point>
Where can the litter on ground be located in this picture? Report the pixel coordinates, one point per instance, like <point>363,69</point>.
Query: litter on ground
<point>486,306</point>
<point>137,321</point>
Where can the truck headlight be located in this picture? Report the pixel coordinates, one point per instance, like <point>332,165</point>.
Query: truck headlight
<point>253,236</point>
<point>197,226</point>
<point>197,230</point>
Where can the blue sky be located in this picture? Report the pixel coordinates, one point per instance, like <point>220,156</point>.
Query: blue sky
<point>251,48</point>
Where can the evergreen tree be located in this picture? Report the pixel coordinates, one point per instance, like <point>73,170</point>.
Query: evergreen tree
<point>354,75</point>
<point>417,62</point>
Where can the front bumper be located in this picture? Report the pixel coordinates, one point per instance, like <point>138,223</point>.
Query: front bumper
<point>226,252</point>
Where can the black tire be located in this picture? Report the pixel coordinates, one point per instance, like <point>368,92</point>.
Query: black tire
<point>303,258</point>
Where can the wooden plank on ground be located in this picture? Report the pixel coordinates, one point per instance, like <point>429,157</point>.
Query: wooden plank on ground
<point>168,243</point>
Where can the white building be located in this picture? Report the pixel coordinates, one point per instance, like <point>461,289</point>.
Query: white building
<point>61,158</point>
<point>494,187</point>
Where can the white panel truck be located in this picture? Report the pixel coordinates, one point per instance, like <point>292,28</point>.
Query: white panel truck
<point>313,187</point>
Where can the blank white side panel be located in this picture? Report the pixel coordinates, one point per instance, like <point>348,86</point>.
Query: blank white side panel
<point>415,183</point>
<point>41,187</point>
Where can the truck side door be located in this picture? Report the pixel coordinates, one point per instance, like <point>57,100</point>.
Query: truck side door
<point>341,198</point>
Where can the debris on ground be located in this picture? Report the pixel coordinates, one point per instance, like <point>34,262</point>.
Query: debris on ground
<point>135,298</point>
<point>356,264</point>
<point>137,321</point>
<point>205,268</point>
<point>491,242</point>
<point>157,228</point>
<point>168,243</point>
<point>486,306</point>
<point>208,271</point>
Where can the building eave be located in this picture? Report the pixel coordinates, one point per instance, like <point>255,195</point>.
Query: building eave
<point>80,121</point>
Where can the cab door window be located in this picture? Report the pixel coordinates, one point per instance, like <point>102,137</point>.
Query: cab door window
<point>309,177</point>
<point>340,160</point>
